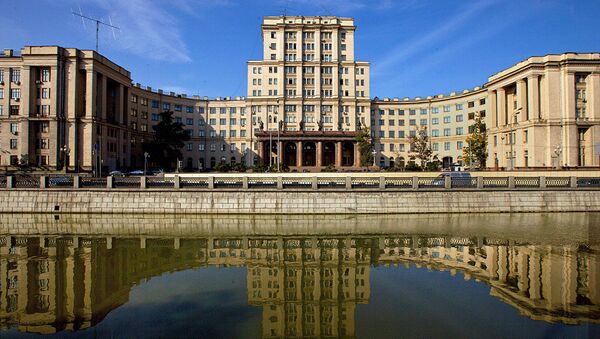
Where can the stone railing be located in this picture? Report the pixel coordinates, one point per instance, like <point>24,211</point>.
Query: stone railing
<point>322,181</point>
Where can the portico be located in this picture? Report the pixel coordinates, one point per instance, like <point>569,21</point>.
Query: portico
<point>310,150</point>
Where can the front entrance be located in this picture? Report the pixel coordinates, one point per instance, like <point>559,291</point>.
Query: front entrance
<point>290,154</point>
<point>347,154</point>
<point>328,154</point>
<point>309,154</point>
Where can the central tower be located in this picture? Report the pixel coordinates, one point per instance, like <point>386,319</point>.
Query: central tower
<point>308,88</point>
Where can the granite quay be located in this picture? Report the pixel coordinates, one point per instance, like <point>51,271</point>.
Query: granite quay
<point>297,193</point>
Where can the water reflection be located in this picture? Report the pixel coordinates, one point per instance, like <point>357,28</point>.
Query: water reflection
<point>308,274</point>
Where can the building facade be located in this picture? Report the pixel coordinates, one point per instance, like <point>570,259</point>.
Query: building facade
<point>307,100</point>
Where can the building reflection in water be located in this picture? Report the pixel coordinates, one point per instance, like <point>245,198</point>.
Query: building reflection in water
<point>305,285</point>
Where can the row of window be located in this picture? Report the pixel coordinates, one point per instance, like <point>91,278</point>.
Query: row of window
<point>307,35</point>
<point>422,111</point>
<point>434,146</point>
<point>213,147</point>
<point>447,132</point>
<point>43,75</point>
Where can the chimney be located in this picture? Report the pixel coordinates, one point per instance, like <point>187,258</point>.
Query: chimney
<point>8,52</point>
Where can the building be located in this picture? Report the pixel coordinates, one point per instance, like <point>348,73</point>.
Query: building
<point>307,100</point>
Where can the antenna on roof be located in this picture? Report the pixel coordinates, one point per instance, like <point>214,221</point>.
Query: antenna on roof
<point>98,23</point>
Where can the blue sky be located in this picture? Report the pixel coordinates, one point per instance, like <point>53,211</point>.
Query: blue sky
<point>416,47</point>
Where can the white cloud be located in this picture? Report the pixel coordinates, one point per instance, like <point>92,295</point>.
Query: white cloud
<point>403,51</point>
<point>335,7</point>
<point>150,28</point>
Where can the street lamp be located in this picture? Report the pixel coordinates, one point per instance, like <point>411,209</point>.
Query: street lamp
<point>374,153</point>
<point>65,154</point>
<point>511,139</point>
<point>146,156</point>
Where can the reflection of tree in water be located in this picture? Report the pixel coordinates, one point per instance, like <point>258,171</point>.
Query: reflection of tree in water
<point>306,286</point>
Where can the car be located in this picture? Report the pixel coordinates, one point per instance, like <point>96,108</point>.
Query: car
<point>459,179</point>
<point>136,172</point>
<point>588,182</point>
<point>60,180</point>
<point>116,174</point>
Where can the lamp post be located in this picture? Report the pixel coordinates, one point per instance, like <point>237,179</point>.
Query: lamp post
<point>374,153</point>
<point>511,139</point>
<point>65,154</point>
<point>146,156</point>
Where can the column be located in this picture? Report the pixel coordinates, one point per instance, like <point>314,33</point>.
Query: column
<point>501,104</point>
<point>338,154</point>
<point>533,97</point>
<point>261,152</point>
<point>493,107</point>
<point>356,155</point>
<point>298,153</point>
<point>522,88</point>
<point>121,114</point>
<point>102,97</point>
<point>280,152</point>
<point>319,159</point>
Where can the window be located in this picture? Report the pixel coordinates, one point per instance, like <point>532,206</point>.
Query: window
<point>436,146</point>
<point>144,127</point>
<point>471,104</point>
<point>423,111</point>
<point>482,101</point>
<point>423,122</point>
<point>154,103</point>
<point>447,119</point>
<point>189,109</point>
<point>412,122</point>
<point>155,117</point>
<point>460,130</point>
<point>435,132</point>
<point>13,143</point>
<point>391,134</point>
<point>447,132</point>
<point>15,93</point>
<point>14,128</point>
<point>14,109</point>
<point>459,118</point>
<point>525,136</point>
<point>189,146</point>
<point>447,146</point>
<point>166,106</point>
<point>459,107</point>
<point>189,121</point>
<point>435,121</point>
<point>201,147</point>
<point>446,108</point>
<point>15,76</point>
<point>1,93</point>
<point>45,75</point>
<point>223,134</point>
<point>459,145</point>
<point>412,112</point>
<point>435,110</point>
<point>222,121</point>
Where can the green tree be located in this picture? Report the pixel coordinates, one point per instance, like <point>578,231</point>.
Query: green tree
<point>419,147</point>
<point>475,154</point>
<point>365,146</point>
<point>167,142</point>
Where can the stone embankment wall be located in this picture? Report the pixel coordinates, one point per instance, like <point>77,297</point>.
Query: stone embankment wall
<point>297,202</point>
